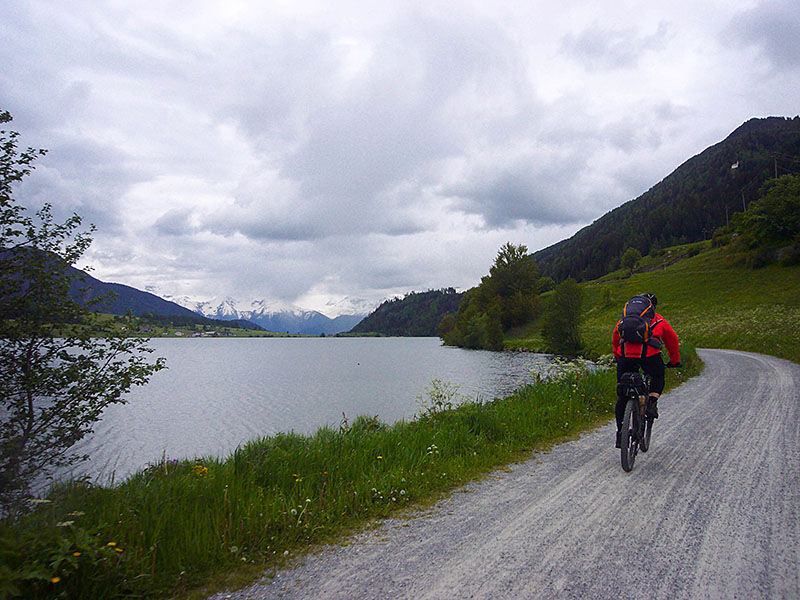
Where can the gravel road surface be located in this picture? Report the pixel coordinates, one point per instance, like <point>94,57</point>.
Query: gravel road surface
<point>711,511</point>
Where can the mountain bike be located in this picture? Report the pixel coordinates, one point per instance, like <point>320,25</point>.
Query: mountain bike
<point>636,425</point>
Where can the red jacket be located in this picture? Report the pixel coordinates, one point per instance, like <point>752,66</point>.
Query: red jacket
<point>661,330</point>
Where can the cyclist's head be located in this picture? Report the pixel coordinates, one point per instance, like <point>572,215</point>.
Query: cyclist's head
<point>652,298</point>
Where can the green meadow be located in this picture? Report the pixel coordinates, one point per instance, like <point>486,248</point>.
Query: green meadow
<point>708,296</point>
<point>182,529</point>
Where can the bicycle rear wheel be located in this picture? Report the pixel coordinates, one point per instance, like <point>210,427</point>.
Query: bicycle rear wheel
<point>628,437</point>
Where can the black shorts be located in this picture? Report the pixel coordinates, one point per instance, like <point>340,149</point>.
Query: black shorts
<point>652,365</point>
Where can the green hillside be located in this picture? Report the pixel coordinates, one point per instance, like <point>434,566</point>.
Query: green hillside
<point>711,299</point>
<point>687,206</point>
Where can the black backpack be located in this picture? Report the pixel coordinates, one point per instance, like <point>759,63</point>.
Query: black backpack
<point>636,324</point>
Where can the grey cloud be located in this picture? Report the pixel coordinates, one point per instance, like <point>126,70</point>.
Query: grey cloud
<point>537,196</point>
<point>613,48</point>
<point>390,124</point>
<point>773,26</point>
<point>175,222</point>
<point>83,177</point>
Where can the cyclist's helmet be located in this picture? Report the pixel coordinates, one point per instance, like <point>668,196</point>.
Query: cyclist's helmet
<point>652,298</point>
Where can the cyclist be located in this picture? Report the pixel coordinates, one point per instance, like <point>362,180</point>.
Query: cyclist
<point>631,356</point>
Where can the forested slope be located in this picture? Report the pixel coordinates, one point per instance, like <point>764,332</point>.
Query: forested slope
<point>417,314</point>
<point>687,206</point>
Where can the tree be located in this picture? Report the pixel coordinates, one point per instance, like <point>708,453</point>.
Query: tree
<point>545,284</point>
<point>447,324</point>
<point>508,292</point>
<point>562,318</point>
<point>774,218</point>
<point>630,258</point>
<point>55,378</point>
<point>514,271</point>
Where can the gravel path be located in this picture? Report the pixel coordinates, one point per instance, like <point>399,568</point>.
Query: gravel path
<point>711,511</point>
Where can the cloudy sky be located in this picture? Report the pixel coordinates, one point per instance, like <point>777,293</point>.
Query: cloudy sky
<point>306,151</point>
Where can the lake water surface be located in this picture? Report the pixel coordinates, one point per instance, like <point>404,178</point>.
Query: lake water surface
<point>219,393</point>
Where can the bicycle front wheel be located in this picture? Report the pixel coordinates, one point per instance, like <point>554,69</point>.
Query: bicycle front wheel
<point>628,437</point>
<point>648,429</point>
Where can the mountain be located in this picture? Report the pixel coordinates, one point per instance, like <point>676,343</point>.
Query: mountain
<point>416,314</point>
<point>85,288</point>
<point>111,298</point>
<point>687,206</point>
<point>274,316</point>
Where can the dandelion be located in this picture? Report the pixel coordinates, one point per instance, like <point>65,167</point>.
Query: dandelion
<point>55,579</point>
<point>200,471</point>
<point>380,457</point>
<point>112,544</point>
<point>76,554</point>
<point>294,512</point>
<point>118,549</point>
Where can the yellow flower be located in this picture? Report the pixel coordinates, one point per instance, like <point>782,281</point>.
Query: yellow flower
<point>112,544</point>
<point>76,554</point>
<point>380,457</point>
<point>55,580</point>
<point>118,549</point>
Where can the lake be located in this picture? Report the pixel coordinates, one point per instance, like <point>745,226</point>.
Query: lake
<point>219,393</point>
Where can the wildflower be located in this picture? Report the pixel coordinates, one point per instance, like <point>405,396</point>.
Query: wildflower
<point>118,549</point>
<point>293,511</point>
<point>308,500</point>
<point>112,544</point>
<point>76,554</point>
<point>380,457</point>
<point>55,580</point>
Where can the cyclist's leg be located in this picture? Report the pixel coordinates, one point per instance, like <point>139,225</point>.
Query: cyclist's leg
<point>654,367</point>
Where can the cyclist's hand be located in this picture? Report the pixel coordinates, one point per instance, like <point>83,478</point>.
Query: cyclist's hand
<point>676,365</point>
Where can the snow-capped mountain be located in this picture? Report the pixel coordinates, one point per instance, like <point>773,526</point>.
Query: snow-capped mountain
<point>277,316</point>
<point>349,306</point>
